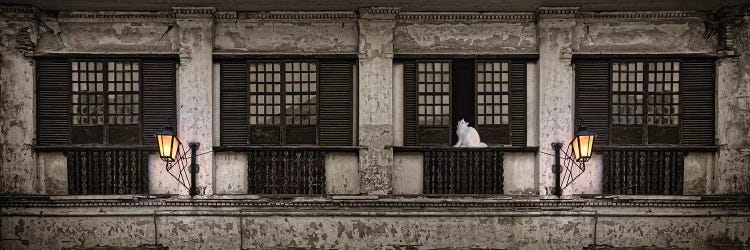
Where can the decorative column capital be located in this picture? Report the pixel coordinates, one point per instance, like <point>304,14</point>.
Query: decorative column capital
<point>19,12</point>
<point>194,12</point>
<point>379,13</point>
<point>557,12</point>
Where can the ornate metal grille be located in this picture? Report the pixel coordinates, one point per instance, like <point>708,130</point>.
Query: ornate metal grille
<point>107,171</point>
<point>643,171</point>
<point>286,171</point>
<point>463,171</point>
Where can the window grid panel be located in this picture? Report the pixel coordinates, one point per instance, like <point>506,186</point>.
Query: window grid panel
<point>123,93</point>
<point>265,93</point>
<point>300,90</point>
<point>663,93</point>
<point>627,92</point>
<point>493,92</point>
<point>87,93</point>
<point>433,93</point>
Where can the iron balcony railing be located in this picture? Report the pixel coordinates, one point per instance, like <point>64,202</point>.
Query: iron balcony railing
<point>107,170</point>
<point>644,171</point>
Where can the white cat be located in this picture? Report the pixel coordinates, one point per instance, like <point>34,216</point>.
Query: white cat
<point>468,136</point>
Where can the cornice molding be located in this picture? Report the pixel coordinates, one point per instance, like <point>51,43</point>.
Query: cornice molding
<point>639,15</point>
<point>194,12</point>
<point>115,15</point>
<point>19,11</point>
<point>293,15</point>
<point>445,16</point>
<point>383,13</point>
<point>557,12</point>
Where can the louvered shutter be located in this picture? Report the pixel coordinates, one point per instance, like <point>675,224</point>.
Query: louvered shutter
<point>592,97</point>
<point>697,96</point>
<point>53,101</point>
<point>410,103</point>
<point>159,87</point>
<point>336,102</point>
<point>518,103</point>
<point>234,103</point>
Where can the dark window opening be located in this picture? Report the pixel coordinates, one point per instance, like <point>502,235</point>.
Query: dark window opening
<point>99,112</point>
<point>287,102</point>
<point>645,102</point>
<point>659,108</point>
<point>105,102</point>
<point>283,102</point>
<point>488,94</point>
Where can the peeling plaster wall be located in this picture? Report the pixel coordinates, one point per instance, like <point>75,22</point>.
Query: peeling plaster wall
<point>55,168</point>
<point>189,228</point>
<point>18,173</point>
<point>675,232</point>
<point>641,36</point>
<point>518,173</point>
<point>194,91</point>
<point>71,35</point>
<point>408,173</point>
<point>364,232</point>
<point>555,92</point>
<point>375,103</point>
<point>160,181</point>
<point>464,37</point>
<point>199,232</point>
<point>697,167</point>
<point>287,37</point>
<point>75,231</point>
<point>731,173</point>
<point>230,173</point>
<point>342,173</point>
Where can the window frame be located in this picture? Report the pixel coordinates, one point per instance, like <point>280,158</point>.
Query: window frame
<point>645,125</point>
<point>503,126</point>
<point>105,81</point>
<point>411,118</point>
<point>450,101</point>
<point>282,126</point>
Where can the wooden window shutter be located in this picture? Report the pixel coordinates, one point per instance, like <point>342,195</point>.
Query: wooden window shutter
<point>410,103</point>
<point>518,103</point>
<point>53,101</point>
<point>159,87</point>
<point>697,96</point>
<point>234,103</point>
<point>336,102</point>
<point>592,97</point>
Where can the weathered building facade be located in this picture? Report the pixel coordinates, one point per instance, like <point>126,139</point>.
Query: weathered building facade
<point>334,129</point>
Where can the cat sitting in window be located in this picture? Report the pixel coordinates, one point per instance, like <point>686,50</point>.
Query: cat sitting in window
<point>468,136</point>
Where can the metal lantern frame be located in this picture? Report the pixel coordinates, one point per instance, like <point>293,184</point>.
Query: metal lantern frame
<point>574,158</point>
<point>181,168</point>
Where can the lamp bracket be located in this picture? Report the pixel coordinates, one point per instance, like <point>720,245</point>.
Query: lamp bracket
<point>569,169</point>
<point>179,169</point>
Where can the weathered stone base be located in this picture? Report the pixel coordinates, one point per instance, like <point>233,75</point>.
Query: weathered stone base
<point>237,228</point>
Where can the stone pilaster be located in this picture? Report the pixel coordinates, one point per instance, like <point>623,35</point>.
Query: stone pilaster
<point>18,38</point>
<point>376,98</point>
<point>731,172</point>
<point>194,90</point>
<point>556,87</point>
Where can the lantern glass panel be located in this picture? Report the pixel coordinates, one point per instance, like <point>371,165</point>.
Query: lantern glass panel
<point>168,145</point>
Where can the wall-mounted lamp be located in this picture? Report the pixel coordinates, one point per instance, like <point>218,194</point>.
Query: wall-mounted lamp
<point>172,152</point>
<point>582,147</point>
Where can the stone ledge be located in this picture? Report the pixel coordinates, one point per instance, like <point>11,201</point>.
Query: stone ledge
<point>447,202</point>
<point>312,212</point>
